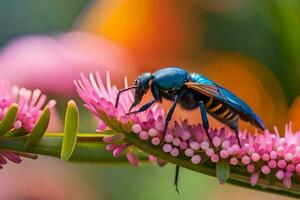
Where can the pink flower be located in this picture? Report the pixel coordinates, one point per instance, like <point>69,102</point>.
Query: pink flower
<point>100,98</point>
<point>30,105</point>
<point>267,154</point>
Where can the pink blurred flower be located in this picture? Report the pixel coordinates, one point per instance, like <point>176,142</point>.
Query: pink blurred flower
<point>53,62</point>
<point>267,154</point>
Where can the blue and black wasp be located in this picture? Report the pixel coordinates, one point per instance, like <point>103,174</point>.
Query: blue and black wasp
<point>191,91</point>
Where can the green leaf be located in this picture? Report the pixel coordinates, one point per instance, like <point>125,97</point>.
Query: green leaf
<point>9,119</point>
<point>223,170</point>
<point>39,129</point>
<point>70,131</point>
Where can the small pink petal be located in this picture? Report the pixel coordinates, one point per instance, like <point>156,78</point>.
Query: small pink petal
<point>174,152</point>
<point>235,148</point>
<point>185,135</point>
<point>215,158</point>
<point>101,126</point>
<point>265,169</point>
<point>246,160</point>
<point>161,162</point>
<point>2,160</point>
<point>250,168</point>
<point>196,159</point>
<point>216,141</point>
<point>209,152</point>
<point>183,145</point>
<point>152,158</point>
<point>204,145</point>
<point>133,159</point>
<point>288,174</point>
<point>155,141</point>
<point>233,161</point>
<point>17,124</point>
<point>12,157</point>
<point>287,182</point>
<point>124,119</point>
<point>255,157</point>
<point>224,154</point>
<point>136,128</point>
<point>225,144</point>
<point>280,151</point>
<point>152,132</point>
<point>143,135</point>
<point>167,148</point>
<point>111,147</point>
<point>279,175</point>
<point>118,150</point>
<point>272,164</point>
<point>189,152</point>
<point>254,179</point>
<point>250,151</point>
<point>281,164</point>
<point>288,157</point>
<point>265,157</point>
<point>114,138</point>
<point>168,138</point>
<point>176,142</point>
<point>291,167</point>
<point>273,155</point>
<point>195,145</point>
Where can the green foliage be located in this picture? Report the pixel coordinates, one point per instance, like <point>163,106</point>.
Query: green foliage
<point>70,131</point>
<point>223,170</point>
<point>9,119</point>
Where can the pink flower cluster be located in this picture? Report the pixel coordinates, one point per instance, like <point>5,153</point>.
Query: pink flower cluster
<point>30,104</point>
<point>100,98</point>
<point>265,154</point>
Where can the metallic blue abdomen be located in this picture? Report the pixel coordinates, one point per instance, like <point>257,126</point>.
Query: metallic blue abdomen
<point>171,78</point>
<point>228,98</point>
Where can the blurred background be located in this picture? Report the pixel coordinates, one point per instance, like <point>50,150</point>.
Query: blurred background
<point>251,47</point>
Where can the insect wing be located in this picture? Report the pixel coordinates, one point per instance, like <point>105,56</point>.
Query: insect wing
<point>207,87</point>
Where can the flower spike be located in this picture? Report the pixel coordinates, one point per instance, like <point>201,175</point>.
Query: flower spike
<point>260,158</point>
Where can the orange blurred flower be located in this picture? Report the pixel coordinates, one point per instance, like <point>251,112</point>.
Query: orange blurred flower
<point>294,114</point>
<point>248,79</point>
<point>151,29</point>
<point>253,82</point>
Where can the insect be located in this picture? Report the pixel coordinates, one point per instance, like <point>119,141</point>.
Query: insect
<point>191,91</point>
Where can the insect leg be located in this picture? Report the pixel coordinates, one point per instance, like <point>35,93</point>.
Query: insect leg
<point>176,178</point>
<point>143,108</point>
<point>169,115</point>
<point>120,92</point>
<point>155,92</point>
<point>236,131</point>
<point>204,119</point>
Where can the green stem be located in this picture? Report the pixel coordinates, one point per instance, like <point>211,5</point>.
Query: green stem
<point>89,148</point>
<point>82,136</point>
